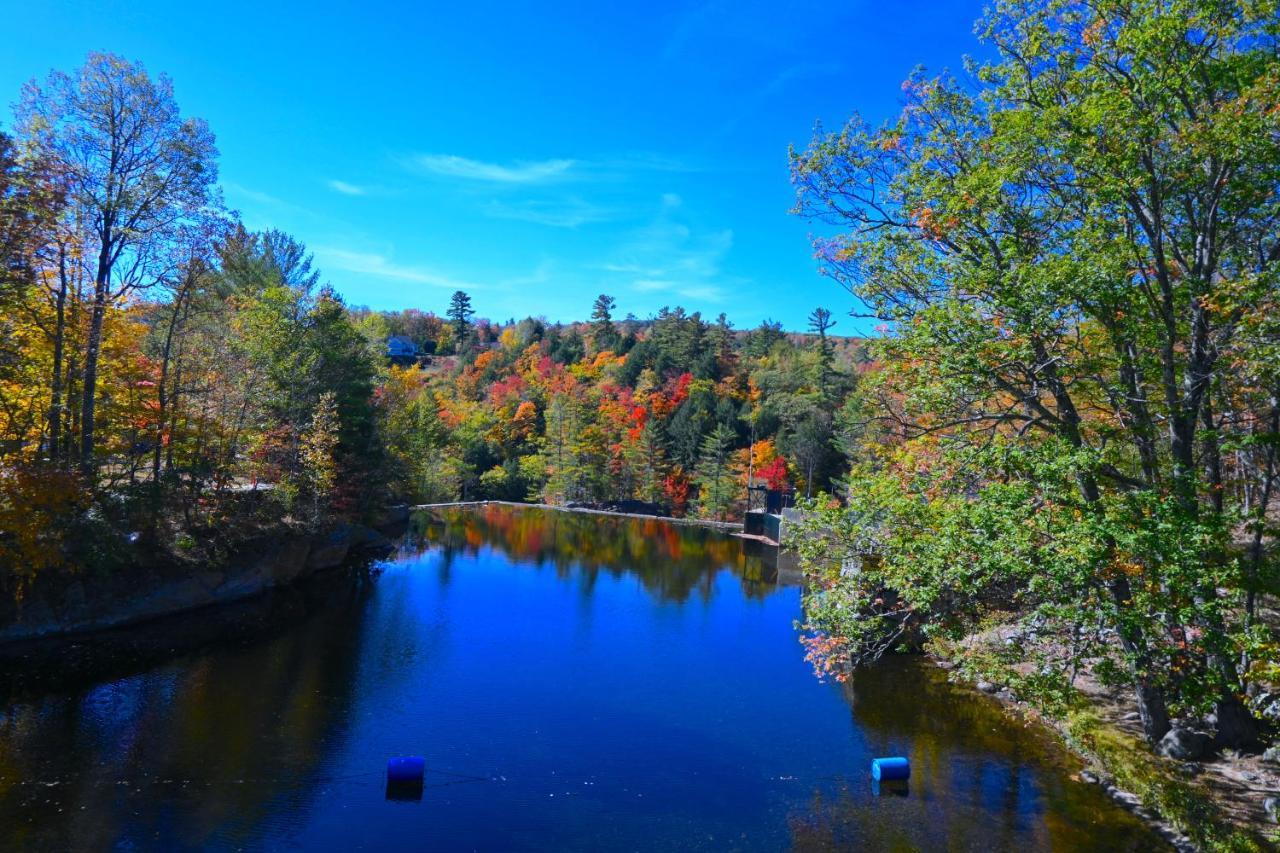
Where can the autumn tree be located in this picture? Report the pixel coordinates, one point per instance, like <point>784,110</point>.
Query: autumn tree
<point>318,447</point>
<point>136,170</point>
<point>30,201</point>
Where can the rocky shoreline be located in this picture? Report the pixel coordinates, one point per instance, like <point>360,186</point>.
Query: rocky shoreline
<point>88,603</point>
<point>1181,766</point>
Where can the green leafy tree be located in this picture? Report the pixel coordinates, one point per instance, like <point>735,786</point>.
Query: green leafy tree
<point>820,323</point>
<point>1065,251</point>
<point>605,334</point>
<point>761,339</point>
<point>646,457</point>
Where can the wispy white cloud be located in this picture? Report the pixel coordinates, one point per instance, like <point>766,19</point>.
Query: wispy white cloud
<point>534,173</point>
<point>669,257</point>
<point>346,188</point>
<point>521,172</point>
<point>236,191</point>
<point>567,213</point>
<point>260,209</point>
<point>753,102</point>
<point>381,266</point>
<point>540,275</point>
<point>794,73</point>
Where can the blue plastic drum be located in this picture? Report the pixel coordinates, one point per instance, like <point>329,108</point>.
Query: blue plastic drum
<point>407,769</point>
<point>890,769</point>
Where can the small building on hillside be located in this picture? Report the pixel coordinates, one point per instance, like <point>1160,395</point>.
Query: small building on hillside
<point>401,350</point>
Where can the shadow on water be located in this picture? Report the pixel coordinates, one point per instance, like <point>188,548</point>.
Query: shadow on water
<point>186,729</point>
<point>651,667</point>
<point>970,762</point>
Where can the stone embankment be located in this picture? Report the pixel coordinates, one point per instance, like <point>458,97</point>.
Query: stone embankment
<point>86,602</point>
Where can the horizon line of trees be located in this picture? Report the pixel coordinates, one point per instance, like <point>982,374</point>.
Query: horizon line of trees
<point>673,412</point>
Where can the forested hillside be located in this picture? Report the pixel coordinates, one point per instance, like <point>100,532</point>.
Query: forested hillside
<point>169,379</point>
<point>673,411</point>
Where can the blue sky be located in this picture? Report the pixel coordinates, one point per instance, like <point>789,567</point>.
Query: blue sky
<point>534,155</point>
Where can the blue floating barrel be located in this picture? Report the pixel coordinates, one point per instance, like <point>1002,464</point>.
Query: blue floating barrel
<point>404,778</point>
<point>890,769</point>
<point>410,768</point>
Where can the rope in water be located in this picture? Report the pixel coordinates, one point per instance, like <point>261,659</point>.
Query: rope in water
<point>458,778</point>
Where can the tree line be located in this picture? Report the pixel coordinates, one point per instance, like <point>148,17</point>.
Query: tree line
<point>159,361</point>
<point>672,412</point>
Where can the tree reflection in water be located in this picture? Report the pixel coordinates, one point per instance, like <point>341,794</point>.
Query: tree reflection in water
<point>671,560</point>
<point>207,722</point>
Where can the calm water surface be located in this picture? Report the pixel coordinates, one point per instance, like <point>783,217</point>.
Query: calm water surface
<point>575,682</point>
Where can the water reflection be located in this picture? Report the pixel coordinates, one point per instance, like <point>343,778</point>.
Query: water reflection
<point>575,683</point>
<point>969,763</point>
<point>672,561</point>
<point>195,749</point>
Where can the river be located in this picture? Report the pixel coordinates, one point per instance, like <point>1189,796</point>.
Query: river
<point>573,681</point>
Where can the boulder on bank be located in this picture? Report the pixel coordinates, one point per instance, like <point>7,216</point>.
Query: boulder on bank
<point>390,516</point>
<point>1185,745</point>
<point>330,550</point>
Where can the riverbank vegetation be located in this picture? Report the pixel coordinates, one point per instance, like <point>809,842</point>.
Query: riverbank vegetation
<point>159,362</point>
<point>1072,433</point>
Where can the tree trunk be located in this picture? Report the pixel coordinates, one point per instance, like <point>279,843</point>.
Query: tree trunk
<point>1152,710</point>
<point>1237,728</point>
<point>162,394</point>
<point>1212,455</point>
<point>72,420</point>
<point>1152,707</point>
<point>59,336</point>
<point>90,381</point>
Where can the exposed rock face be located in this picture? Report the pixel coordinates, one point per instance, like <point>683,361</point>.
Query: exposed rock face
<point>391,516</point>
<point>329,551</point>
<point>92,602</point>
<point>1185,744</point>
